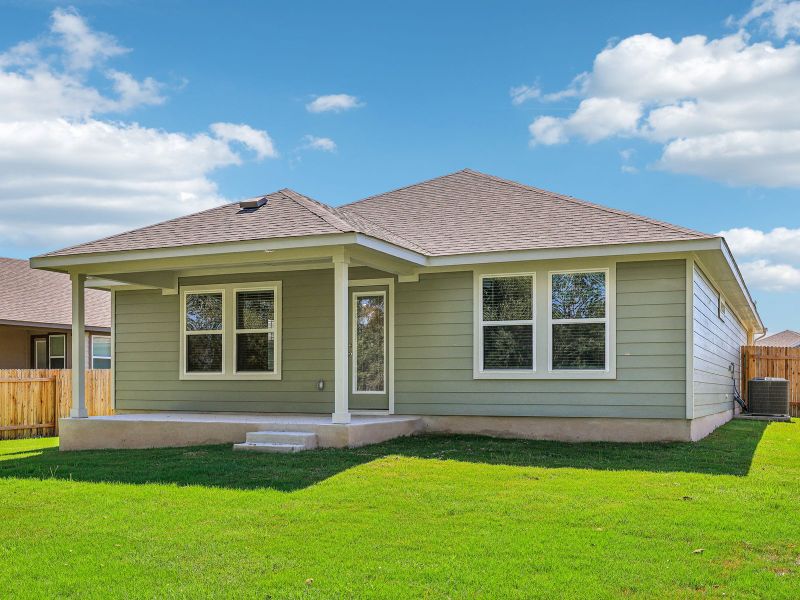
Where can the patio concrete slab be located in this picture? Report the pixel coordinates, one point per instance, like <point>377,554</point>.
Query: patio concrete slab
<point>164,430</point>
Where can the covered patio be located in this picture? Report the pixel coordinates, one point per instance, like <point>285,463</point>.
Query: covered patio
<point>355,260</point>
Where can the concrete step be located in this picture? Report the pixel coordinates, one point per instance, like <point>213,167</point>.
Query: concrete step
<point>300,438</point>
<point>269,447</point>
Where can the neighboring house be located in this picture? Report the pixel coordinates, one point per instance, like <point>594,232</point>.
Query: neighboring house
<point>786,339</point>
<point>480,304</point>
<point>36,316</point>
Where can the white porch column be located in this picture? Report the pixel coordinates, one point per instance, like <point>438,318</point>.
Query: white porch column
<point>341,412</point>
<point>78,409</point>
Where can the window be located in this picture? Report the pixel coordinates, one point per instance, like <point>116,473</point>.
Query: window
<point>57,356</point>
<point>203,331</point>
<point>507,330</point>
<point>101,352</point>
<point>40,353</point>
<point>231,331</point>
<point>255,331</point>
<point>579,337</point>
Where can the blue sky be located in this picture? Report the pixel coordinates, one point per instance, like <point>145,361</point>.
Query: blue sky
<point>118,114</point>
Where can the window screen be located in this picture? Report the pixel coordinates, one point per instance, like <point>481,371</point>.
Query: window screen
<point>507,322</point>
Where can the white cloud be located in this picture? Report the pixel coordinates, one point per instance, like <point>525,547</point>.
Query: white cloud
<point>780,16</point>
<point>333,103</point>
<point>773,257</point>
<point>83,48</point>
<point>256,140</point>
<point>626,156</point>
<point>67,175</point>
<point>319,143</point>
<point>771,277</point>
<point>523,93</point>
<point>781,243</point>
<point>721,108</point>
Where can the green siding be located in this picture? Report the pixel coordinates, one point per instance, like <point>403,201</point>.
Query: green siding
<point>717,345</point>
<point>433,352</point>
<point>434,365</point>
<point>147,352</point>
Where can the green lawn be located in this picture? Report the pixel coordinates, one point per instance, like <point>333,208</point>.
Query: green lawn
<point>432,517</point>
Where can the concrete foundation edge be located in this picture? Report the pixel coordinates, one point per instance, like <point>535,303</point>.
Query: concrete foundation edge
<point>107,433</point>
<point>579,429</point>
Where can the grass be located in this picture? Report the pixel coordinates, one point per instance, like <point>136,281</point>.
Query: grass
<point>429,517</point>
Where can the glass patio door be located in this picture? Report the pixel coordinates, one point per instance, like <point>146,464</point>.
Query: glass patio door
<point>368,349</point>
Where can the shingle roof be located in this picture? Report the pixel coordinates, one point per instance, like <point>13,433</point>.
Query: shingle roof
<point>459,213</point>
<point>786,338</point>
<point>286,214</point>
<point>469,211</point>
<point>33,296</point>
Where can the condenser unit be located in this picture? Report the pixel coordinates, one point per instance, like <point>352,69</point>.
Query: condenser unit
<point>768,396</point>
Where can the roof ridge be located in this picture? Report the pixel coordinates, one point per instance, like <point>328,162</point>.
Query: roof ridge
<point>608,209</point>
<point>317,208</point>
<point>405,187</point>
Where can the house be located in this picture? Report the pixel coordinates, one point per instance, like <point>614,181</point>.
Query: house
<point>36,320</point>
<point>469,302</point>
<point>785,339</point>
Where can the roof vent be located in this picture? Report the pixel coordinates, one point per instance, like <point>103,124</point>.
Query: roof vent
<point>253,202</point>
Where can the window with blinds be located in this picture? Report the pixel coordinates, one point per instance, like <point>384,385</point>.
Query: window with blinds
<point>507,327</point>
<point>255,331</point>
<point>579,321</point>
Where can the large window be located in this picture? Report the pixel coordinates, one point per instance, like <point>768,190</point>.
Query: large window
<point>579,321</point>
<point>507,329</point>
<point>101,352</point>
<point>231,331</point>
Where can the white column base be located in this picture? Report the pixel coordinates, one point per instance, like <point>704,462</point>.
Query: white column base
<point>77,412</point>
<point>340,418</point>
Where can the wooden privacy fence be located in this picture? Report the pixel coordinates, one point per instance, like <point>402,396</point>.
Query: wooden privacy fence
<point>32,400</point>
<point>773,361</point>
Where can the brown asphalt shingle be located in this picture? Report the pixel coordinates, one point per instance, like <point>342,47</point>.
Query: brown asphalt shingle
<point>469,211</point>
<point>460,213</point>
<point>34,296</point>
<point>786,339</point>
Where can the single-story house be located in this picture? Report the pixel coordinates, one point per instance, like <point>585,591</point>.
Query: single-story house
<point>785,339</point>
<point>36,320</point>
<point>473,303</point>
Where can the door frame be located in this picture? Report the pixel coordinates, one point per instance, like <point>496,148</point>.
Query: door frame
<point>389,282</point>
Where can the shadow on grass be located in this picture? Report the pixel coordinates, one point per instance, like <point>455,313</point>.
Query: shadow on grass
<point>728,451</point>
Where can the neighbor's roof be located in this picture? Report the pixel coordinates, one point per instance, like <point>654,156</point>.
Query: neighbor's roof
<point>32,296</point>
<point>460,213</point>
<point>786,338</point>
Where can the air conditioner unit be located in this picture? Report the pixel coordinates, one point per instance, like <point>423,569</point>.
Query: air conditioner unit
<point>768,396</point>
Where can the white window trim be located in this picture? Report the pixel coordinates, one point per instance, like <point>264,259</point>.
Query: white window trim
<point>480,372</point>
<point>93,355</point>
<point>36,343</point>
<point>551,321</point>
<point>228,292</point>
<point>275,329</point>
<point>354,362</point>
<point>51,356</point>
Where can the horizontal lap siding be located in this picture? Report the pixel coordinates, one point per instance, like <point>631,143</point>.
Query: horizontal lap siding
<point>717,344</point>
<point>433,358</point>
<point>148,340</point>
